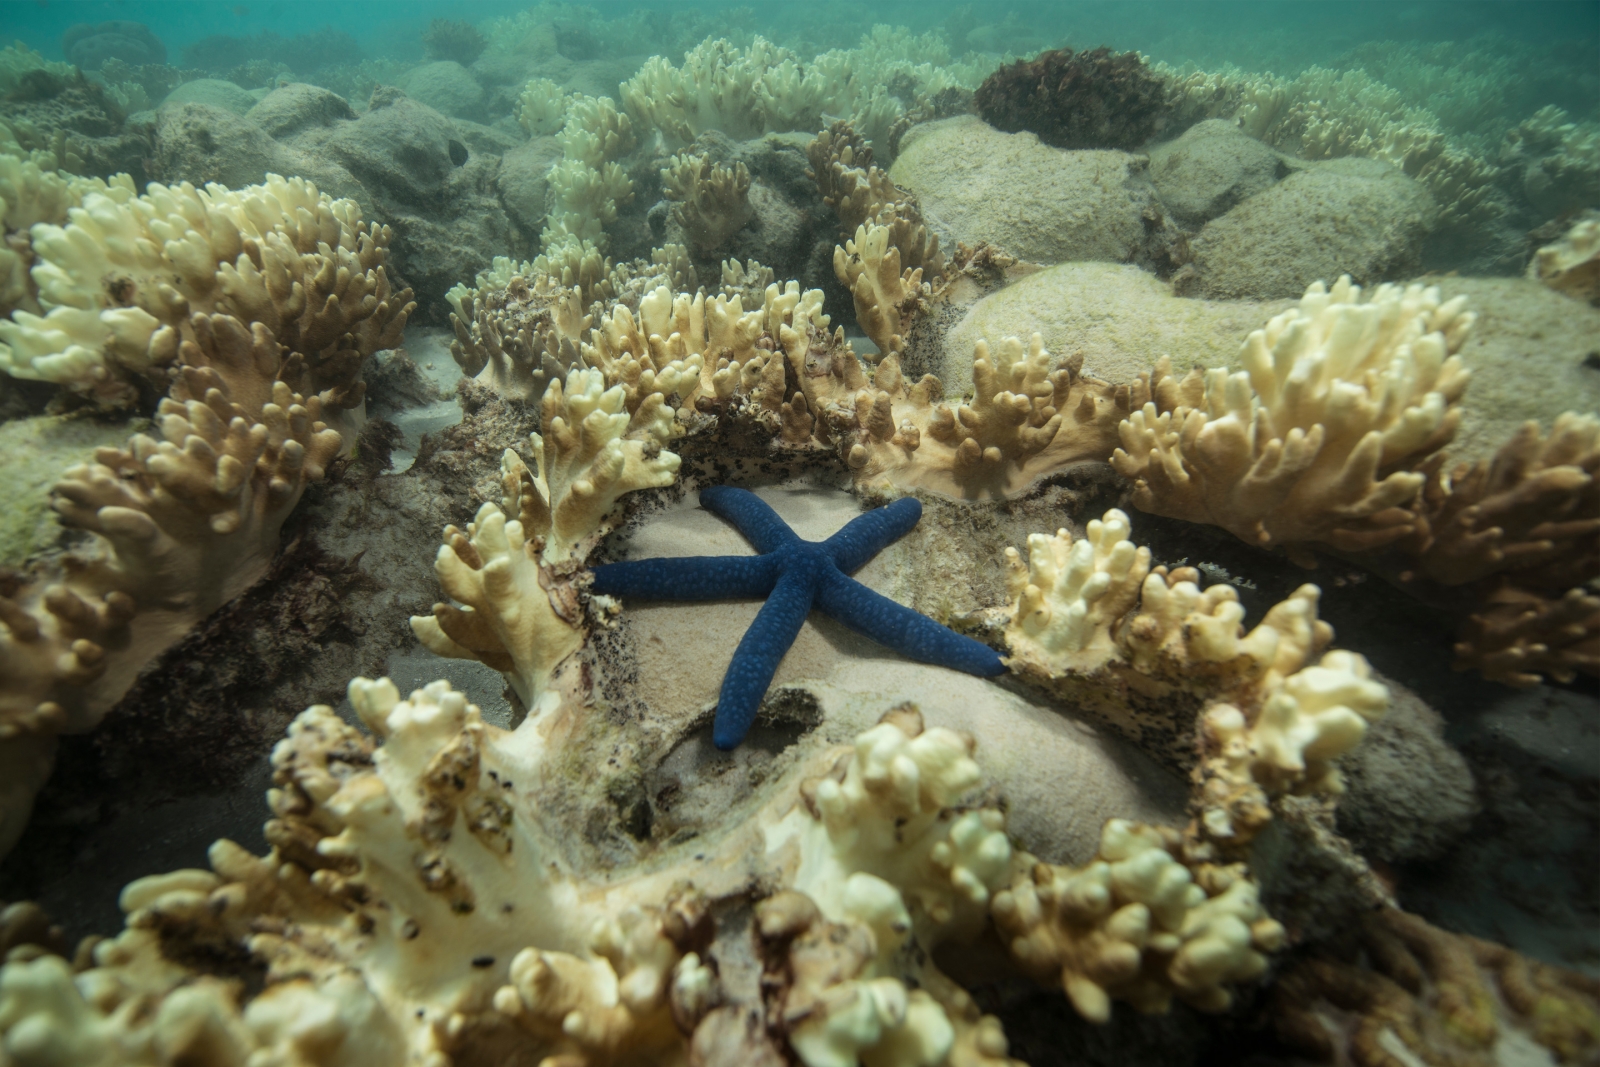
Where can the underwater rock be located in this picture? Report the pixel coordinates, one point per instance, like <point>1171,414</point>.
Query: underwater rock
<point>1121,318</point>
<point>200,143</point>
<point>1532,355</point>
<point>90,45</point>
<point>1211,169</point>
<point>291,108</point>
<point>1409,795</point>
<point>1360,217</point>
<point>445,86</point>
<point>523,186</point>
<point>213,92</point>
<point>1035,202</point>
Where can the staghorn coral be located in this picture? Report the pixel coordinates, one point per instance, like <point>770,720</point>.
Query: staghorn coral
<point>710,202</point>
<point>1137,923</point>
<point>1559,161</point>
<point>122,279</point>
<point>1399,990</point>
<point>512,567</point>
<point>181,523</point>
<point>1572,264</point>
<point>1090,99</point>
<point>1310,444</point>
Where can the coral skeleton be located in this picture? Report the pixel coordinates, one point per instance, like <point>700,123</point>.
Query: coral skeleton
<point>794,576</point>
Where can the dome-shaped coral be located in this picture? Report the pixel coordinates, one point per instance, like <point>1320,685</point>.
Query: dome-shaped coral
<point>1097,99</point>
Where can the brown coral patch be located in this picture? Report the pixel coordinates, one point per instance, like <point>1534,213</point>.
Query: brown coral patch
<point>1093,99</point>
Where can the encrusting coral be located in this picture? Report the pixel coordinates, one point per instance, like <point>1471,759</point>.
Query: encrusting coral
<point>1312,441</point>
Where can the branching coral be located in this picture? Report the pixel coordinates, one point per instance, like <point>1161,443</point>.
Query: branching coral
<point>1138,924</point>
<point>1516,636</point>
<point>1024,422</point>
<point>122,278</point>
<point>542,107</point>
<point>512,567</point>
<point>1171,665</point>
<point>1402,991</point>
<point>1310,444</point>
<point>741,92</point>
<point>1572,264</point>
<point>183,524</point>
<point>885,295</point>
<point>1092,99</point>
<point>1559,160</point>
<point>518,337</point>
<point>583,200</point>
<point>711,203</point>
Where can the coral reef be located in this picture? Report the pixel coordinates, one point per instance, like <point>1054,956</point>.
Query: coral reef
<point>1399,990</point>
<point>1310,443</point>
<point>1572,264</point>
<point>1089,99</point>
<point>454,40</point>
<point>91,45</point>
<point>711,203</point>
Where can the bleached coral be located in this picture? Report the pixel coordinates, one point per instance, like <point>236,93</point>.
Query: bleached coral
<point>741,92</point>
<point>122,278</point>
<point>1419,994</point>
<point>511,569</point>
<point>182,523</point>
<point>710,202</point>
<point>885,295</point>
<point>584,200</point>
<point>542,107</point>
<point>1172,666</point>
<point>1310,444</point>
<point>594,132</point>
<point>517,337</point>
<point>1025,421</point>
<point>1572,264</point>
<point>1137,924</point>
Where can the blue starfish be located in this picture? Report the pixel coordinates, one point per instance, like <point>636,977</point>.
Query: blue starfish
<point>794,576</point>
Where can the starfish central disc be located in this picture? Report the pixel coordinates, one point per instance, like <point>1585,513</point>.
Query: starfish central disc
<point>794,575</point>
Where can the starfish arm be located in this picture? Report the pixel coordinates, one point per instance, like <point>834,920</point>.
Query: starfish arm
<point>867,535</point>
<point>910,633</point>
<point>688,577</point>
<point>756,659</point>
<point>758,523</point>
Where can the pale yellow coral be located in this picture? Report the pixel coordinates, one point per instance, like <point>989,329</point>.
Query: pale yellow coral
<point>595,132</point>
<point>1310,443</point>
<point>1137,924</point>
<point>711,203</point>
<point>184,522</point>
<point>542,107</point>
<point>1572,264</point>
<point>512,567</point>
<point>884,294</point>
<point>583,200</point>
<point>121,279</point>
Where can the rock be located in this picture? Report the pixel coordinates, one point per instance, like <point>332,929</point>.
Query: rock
<point>1037,203</point>
<point>446,87</point>
<point>1360,217</point>
<point>1120,317</point>
<point>1212,168</point>
<point>523,187</point>
<point>1534,353</point>
<point>489,140</point>
<point>201,143</point>
<point>51,443</point>
<point>212,92</point>
<point>291,108</point>
<point>89,45</point>
<point>399,150</point>
<point>1409,794</point>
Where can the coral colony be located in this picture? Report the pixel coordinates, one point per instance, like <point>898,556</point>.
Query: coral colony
<point>1161,804</point>
<point>794,576</point>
